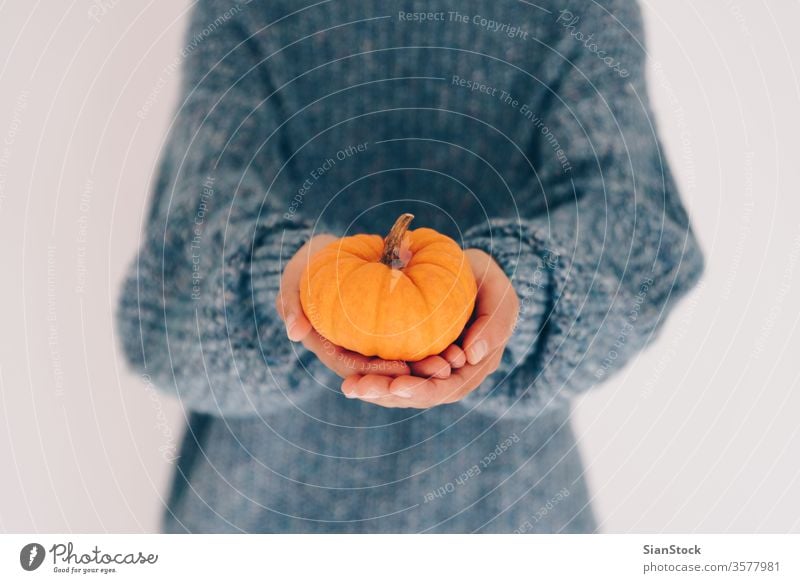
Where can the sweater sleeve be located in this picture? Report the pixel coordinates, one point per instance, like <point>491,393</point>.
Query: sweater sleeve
<point>196,312</point>
<point>599,271</point>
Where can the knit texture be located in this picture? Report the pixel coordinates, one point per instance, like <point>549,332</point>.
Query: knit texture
<point>521,129</point>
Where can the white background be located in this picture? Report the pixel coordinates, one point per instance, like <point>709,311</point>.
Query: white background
<point>699,434</point>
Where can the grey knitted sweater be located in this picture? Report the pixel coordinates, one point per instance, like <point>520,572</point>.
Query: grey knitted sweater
<point>520,128</point>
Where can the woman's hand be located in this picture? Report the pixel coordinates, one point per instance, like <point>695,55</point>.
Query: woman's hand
<point>465,368</point>
<point>299,329</point>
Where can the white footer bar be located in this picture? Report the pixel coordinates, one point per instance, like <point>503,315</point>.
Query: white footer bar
<point>400,558</point>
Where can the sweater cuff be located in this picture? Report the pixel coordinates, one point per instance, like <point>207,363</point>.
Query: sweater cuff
<point>529,267</point>
<point>529,272</point>
<point>274,243</point>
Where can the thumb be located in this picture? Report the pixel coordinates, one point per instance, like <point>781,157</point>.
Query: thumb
<point>496,310</point>
<point>287,302</point>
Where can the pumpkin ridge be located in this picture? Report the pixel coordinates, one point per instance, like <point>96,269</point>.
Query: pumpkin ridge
<point>364,249</point>
<point>456,273</point>
<point>445,300</point>
<point>379,314</point>
<point>455,295</point>
<point>352,264</point>
<point>345,254</point>
<point>367,332</point>
<point>437,249</point>
<point>425,237</point>
<point>318,301</point>
<point>425,300</point>
<point>442,243</point>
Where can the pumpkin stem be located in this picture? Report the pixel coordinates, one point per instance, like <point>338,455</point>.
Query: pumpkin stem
<point>394,241</point>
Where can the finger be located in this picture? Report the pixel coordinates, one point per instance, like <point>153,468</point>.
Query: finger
<point>497,306</point>
<point>287,303</point>
<point>371,386</point>
<point>349,385</point>
<point>390,402</point>
<point>350,390</point>
<point>433,392</point>
<point>426,393</point>
<point>412,390</point>
<point>345,362</point>
<point>455,356</point>
<point>419,393</point>
<point>466,380</point>
<point>380,366</point>
<point>433,366</point>
<point>291,312</point>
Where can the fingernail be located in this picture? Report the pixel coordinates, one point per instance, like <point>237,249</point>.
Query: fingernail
<point>290,320</point>
<point>371,395</point>
<point>351,395</point>
<point>403,393</point>
<point>477,351</point>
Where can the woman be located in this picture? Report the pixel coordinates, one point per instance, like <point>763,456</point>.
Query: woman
<point>522,131</point>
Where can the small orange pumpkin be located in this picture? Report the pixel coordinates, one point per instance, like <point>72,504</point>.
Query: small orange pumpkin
<point>401,298</point>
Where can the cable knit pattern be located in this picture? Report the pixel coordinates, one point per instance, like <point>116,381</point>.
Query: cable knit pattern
<point>521,129</point>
